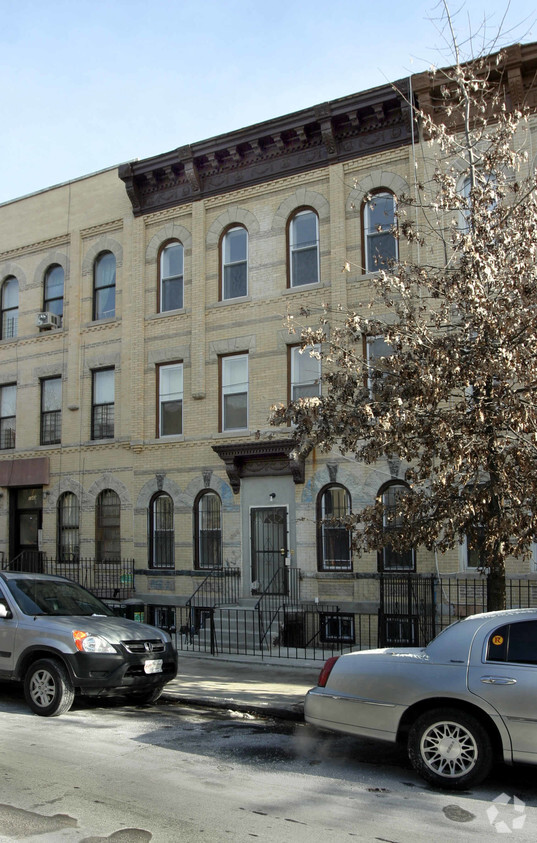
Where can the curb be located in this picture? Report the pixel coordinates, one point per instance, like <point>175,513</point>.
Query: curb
<point>280,712</point>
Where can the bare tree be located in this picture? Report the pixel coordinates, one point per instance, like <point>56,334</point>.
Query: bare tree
<point>453,394</point>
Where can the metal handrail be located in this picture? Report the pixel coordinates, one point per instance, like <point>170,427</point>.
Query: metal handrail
<point>225,592</point>
<point>270,603</point>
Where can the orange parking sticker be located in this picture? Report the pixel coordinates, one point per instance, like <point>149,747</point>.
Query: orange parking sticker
<point>498,640</point>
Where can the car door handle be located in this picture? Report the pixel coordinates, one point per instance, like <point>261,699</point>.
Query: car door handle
<point>498,680</point>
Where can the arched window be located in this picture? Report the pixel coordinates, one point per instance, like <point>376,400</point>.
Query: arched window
<point>107,524</point>
<point>378,227</point>
<point>234,262</point>
<point>171,284</point>
<point>388,558</point>
<point>304,248</point>
<point>104,286</point>
<point>53,290</point>
<point>208,530</point>
<point>333,537</point>
<point>10,308</point>
<point>161,532</point>
<point>68,528</point>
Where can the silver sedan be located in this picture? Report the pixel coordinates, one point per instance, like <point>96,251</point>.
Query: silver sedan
<point>467,698</point>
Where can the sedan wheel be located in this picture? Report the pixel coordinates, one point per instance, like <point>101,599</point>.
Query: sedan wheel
<point>450,749</point>
<point>48,688</point>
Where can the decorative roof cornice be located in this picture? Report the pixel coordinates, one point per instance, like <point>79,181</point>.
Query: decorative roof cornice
<point>340,130</point>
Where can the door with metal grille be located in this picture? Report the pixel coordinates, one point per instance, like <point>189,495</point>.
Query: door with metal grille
<point>268,529</point>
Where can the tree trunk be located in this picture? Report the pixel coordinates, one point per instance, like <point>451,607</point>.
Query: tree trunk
<point>496,591</point>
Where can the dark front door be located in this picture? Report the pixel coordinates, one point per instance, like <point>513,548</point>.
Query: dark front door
<point>268,527</point>
<point>27,519</point>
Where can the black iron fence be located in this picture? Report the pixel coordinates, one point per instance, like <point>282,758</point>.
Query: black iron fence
<point>110,579</point>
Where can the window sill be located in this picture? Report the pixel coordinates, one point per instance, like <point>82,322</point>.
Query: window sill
<point>180,311</point>
<point>237,300</point>
<point>97,323</point>
<point>299,287</point>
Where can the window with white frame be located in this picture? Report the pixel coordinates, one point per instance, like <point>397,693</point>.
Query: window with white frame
<point>234,263</point>
<point>305,372</point>
<point>377,350</point>
<point>379,221</point>
<point>170,384</point>
<point>304,249</point>
<point>102,420</point>
<point>234,392</point>
<point>8,403</point>
<point>171,287</point>
<point>337,628</point>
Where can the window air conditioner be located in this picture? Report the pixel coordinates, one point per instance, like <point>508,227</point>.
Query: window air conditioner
<point>48,320</point>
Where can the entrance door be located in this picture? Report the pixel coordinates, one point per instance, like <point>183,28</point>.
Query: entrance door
<point>27,517</point>
<point>268,530</point>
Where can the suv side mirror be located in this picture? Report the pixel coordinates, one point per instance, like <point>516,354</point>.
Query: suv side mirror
<point>4,611</point>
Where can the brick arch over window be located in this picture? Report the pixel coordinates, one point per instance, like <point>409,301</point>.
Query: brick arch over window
<point>171,231</point>
<point>108,481</point>
<point>372,183</point>
<point>104,244</point>
<point>153,486</point>
<point>8,269</point>
<point>234,215</point>
<point>301,198</point>
<point>52,258</point>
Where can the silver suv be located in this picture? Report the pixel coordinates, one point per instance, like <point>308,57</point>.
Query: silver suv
<point>58,639</point>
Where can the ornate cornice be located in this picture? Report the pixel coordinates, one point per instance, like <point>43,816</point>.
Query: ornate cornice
<point>340,130</point>
<point>260,459</point>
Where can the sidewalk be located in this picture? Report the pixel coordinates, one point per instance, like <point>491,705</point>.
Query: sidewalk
<point>252,686</point>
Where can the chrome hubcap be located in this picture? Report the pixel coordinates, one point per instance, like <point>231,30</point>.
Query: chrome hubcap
<point>42,688</point>
<point>449,749</point>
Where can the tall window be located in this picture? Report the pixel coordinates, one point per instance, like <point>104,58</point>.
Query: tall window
<point>304,249</point>
<point>161,532</point>
<point>333,537</point>
<point>51,411</point>
<point>53,291</point>
<point>376,350</point>
<point>379,219</point>
<point>171,289</point>
<point>8,401</point>
<point>235,263</point>
<point>10,309</point>
<point>102,421</point>
<point>305,372</point>
<point>107,524</point>
<point>68,528</point>
<point>208,530</point>
<point>388,558</point>
<point>170,385</point>
<point>104,286</point>
<point>234,392</point>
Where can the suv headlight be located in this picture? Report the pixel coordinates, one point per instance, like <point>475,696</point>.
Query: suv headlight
<point>86,642</point>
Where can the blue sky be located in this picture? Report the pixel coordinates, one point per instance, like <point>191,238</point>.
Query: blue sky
<point>88,84</point>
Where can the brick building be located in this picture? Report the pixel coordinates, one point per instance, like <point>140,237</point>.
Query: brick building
<point>143,341</point>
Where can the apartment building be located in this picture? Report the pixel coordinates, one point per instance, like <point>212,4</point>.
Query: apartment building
<point>144,339</point>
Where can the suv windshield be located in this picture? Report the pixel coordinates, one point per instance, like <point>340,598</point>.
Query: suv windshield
<point>50,597</point>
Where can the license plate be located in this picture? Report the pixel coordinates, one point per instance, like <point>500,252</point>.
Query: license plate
<point>153,666</point>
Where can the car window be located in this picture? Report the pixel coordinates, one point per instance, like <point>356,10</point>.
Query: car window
<point>48,597</point>
<point>514,642</point>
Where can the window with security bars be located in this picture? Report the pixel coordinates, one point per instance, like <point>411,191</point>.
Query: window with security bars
<point>68,528</point>
<point>8,400</point>
<point>107,527</point>
<point>208,531</point>
<point>337,628</point>
<point>102,421</point>
<point>389,558</point>
<point>51,411</point>
<point>162,536</point>
<point>334,539</point>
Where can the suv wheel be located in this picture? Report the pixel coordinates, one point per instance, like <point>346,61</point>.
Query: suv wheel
<point>450,748</point>
<point>48,688</point>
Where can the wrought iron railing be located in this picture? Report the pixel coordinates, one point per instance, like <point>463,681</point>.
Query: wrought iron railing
<point>109,580</point>
<point>219,588</point>
<point>282,590</point>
